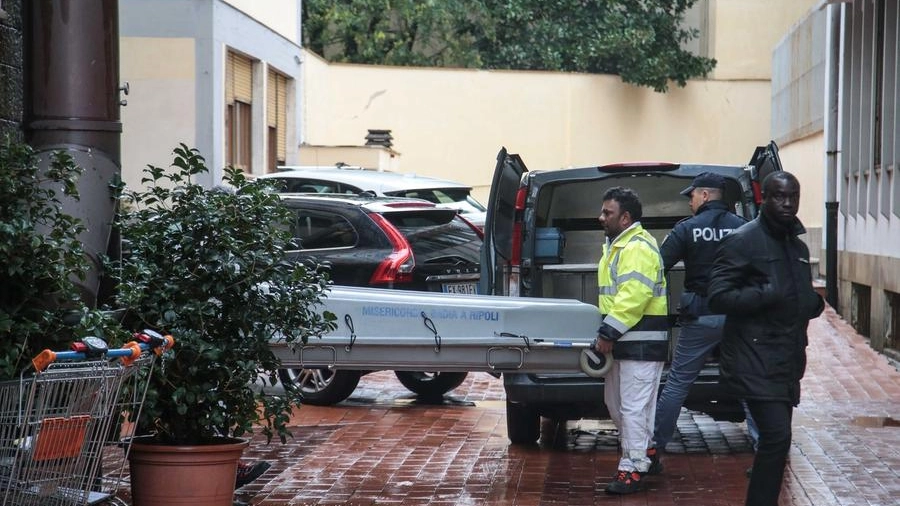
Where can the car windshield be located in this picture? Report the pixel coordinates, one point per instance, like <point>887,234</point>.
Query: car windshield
<point>437,235</point>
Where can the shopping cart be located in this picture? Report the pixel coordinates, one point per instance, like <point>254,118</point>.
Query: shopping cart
<point>57,419</point>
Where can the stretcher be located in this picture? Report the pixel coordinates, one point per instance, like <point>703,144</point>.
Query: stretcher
<point>381,329</point>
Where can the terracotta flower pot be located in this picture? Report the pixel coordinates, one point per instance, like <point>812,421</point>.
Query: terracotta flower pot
<point>201,475</point>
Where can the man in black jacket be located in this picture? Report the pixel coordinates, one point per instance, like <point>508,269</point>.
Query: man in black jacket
<point>761,281</point>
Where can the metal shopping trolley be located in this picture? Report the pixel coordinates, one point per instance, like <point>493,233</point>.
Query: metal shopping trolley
<point>57,419</point>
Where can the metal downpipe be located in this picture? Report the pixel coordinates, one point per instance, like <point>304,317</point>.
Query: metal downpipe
<point>72,104</point>
<point>832,98</point>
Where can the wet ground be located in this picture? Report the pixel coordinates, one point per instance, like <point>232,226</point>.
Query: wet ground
<point>384,447</point>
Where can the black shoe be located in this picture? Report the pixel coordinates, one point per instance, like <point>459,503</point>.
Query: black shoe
<point>656,467</point>
<point>625,482</point>
<point>246,473</point>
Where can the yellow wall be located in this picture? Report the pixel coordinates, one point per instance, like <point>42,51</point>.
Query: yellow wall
<point>161,102</point>
<point>450,123</point>
<point>372,157</point>
<point>281,16</point>
<point>745,32</point>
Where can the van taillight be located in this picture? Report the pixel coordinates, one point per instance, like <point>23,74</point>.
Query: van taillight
<point>516,253</point>
<point>757,192</point>
<point>515,260</point>
<point>515,257</point>
<point>398,266</point>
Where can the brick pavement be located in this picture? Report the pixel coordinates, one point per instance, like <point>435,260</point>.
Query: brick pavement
<point>382,447</point>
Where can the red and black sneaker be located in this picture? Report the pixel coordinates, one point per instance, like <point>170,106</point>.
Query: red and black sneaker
<point>656,467</point>
<point>625,482</point>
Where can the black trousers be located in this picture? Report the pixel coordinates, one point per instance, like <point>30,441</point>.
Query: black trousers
<point>774,421</point>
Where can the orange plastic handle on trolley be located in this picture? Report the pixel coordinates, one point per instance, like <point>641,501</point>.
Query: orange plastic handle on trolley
<point>135,353</point>
<point>129,352</point>
<point>43,359</point>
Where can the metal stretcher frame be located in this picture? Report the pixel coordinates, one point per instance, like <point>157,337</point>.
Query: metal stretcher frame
<point>381,329</point>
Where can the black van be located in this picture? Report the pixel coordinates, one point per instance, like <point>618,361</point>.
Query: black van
<point>543,239</point>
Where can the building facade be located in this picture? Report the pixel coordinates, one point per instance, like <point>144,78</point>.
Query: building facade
<point>836,87</point>
<point>222,76</point>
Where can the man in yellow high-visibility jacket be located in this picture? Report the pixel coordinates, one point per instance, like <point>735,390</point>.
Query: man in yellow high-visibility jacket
<point>635,329</point>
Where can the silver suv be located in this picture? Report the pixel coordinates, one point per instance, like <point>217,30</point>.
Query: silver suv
<point>543,239</point>
<point>357,180</point>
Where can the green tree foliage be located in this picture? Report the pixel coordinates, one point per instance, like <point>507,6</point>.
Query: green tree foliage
<point>395,32</point>
<point>640,40</point>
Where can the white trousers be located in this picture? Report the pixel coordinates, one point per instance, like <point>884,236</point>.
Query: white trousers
<point>630,394</point>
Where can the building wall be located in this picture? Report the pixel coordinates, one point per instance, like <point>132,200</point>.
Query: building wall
<point>451,123</point>
<point>868,151</point>
<point>743,34</point>
<point>11,69</point>
<point>282,16</point>
<point>376,157</point>
<point>212,28</point>
<point>868,184</point>
<point>160,73</point>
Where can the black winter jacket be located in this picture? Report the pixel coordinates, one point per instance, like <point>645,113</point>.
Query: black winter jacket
<point>761,281</point>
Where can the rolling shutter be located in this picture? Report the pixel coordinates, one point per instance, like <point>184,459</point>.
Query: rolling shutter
<point>276,111</point>
<point>238,79</point>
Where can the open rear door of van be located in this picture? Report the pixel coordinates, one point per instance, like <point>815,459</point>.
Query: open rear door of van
<point>765,160</point>
<point>497,254</point>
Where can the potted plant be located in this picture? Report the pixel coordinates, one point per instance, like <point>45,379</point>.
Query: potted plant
<point>208,267</point>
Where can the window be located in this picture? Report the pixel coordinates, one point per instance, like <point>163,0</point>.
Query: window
<point>276,118</point>
<point>860,308</point>
<point>892,340</point>
<point>305,185</point>
<point>317,230</point>
<point>239,111</point>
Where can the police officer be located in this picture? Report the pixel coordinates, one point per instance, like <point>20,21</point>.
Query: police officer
<point>693,240</point>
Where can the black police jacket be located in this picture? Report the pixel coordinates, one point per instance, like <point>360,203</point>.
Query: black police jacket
<point>694,240</point>
<point>761,281</point>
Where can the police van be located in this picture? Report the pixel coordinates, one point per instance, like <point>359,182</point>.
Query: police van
<point>543,239</point>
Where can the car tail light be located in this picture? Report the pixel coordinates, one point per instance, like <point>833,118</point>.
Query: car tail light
<point>398,266</point>
<point>515,260</point>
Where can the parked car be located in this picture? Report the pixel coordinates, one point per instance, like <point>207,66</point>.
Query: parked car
<point>543,239</point>
<point>383,242</point>
<point>356,180</point>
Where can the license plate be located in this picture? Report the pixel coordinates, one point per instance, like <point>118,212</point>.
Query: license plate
<point>464,288</point>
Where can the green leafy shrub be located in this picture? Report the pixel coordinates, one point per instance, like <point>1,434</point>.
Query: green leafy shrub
<point>208,267</point>
<point>41,258</point>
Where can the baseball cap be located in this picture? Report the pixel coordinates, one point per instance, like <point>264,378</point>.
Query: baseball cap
<point>705,180</point>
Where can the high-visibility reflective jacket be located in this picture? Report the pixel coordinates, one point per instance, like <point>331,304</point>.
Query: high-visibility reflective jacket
<point>633,296</point>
